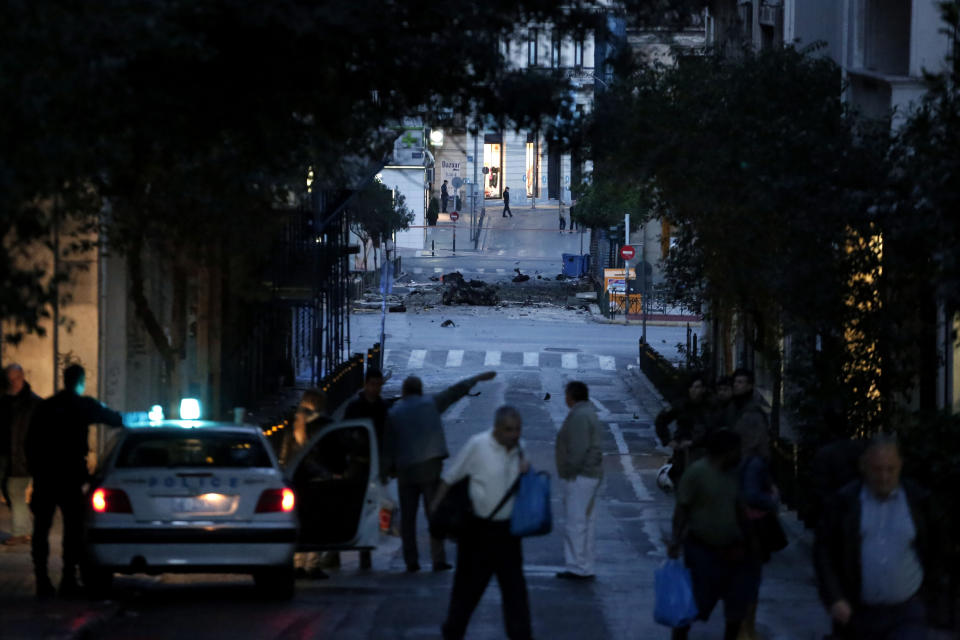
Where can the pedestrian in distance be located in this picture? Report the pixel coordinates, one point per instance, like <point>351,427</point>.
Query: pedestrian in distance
<point>56,453</point>
<point>563,222</point>
<point>719,403</point>
<point>414,450</point>
<point>16,409</point>
<point>579,461</point>
<point>707,527</point>
<point>444,197</point>
<point>691,413</point>
<point>506,202</point>
<point>746,415</point>
<point>493,461</point>
<point>761,503</point>
<point>877,549</point>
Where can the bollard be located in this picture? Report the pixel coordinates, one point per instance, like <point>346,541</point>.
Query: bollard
<point>454,238</point>
<point>433,247</point>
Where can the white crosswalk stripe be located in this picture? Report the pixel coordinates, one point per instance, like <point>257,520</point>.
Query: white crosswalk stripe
<point>492,359</point>
<point>607,363</point>
<point>481,270</point>
<point>417,270</point>
<point>455,357</point>
<point>568,361</point>
<point>417,356</point>
<point>501,270</point>
<point>437,270</point>
<point>531,359</point>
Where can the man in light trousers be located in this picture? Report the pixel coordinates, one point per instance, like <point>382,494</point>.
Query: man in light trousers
<point>579,465</point>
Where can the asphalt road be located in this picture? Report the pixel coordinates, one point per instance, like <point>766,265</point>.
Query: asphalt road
<point>533,360</point>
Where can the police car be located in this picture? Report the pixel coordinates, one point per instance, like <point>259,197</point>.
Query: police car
<point>191,495</point>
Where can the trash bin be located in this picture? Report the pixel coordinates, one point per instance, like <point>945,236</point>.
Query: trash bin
<point>573,265</point>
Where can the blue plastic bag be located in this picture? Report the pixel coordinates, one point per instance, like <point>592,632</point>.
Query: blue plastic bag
<point>674,605</point>
<point>531,508</point>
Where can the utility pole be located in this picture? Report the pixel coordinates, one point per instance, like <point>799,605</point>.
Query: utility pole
<point>626,271</point>
<point>643,298</point>
<point>474,227</point>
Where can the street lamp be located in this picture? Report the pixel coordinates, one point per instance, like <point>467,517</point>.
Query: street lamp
<point>436,137</point>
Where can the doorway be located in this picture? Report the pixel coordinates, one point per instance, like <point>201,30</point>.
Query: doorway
<point>493,164</point>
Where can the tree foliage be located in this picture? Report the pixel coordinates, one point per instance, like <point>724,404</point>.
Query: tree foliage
<point>376,214</point>
<point>767,181</point>
<point>194,120</point>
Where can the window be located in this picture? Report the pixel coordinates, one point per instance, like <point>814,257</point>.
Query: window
<point>532,48</point>
<point>192,448</point>
<point>578,53</point>
<point>555,52</point>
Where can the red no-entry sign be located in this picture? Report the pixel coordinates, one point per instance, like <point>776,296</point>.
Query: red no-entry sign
<point>454,216</point>
<point>627,252</point>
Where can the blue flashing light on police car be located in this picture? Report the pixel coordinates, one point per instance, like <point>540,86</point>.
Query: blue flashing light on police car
<point>189,409</point>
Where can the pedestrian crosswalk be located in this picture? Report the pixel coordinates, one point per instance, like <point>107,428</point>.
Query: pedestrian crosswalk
<point>418,271</point>
<point>406,359</point>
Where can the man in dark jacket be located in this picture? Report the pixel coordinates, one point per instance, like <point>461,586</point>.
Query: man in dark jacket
<point>414,448</point>
<point>876,545</point>
<point>444,197</point>
<point>16,409</point>
<point>747,417</point>
<point>369,404</point>
<point>506,203</point>
<point>56,448</point>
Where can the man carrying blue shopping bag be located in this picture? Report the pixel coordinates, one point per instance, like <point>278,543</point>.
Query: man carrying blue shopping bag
<point>674,605</point>
<point>707,526</point>
<point>579,465</point>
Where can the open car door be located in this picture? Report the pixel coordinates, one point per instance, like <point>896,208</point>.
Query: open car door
<point>335,478</point>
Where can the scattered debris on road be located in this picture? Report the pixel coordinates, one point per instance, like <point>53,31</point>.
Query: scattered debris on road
<point>447,323</point>
<point>456,290</point>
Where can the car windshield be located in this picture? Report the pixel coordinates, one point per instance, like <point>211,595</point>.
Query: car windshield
<point>194,448</point>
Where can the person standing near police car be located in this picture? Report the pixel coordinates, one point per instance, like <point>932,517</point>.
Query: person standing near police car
<point>56,451</point>
<point>16,409</point>
<point>414,449</point>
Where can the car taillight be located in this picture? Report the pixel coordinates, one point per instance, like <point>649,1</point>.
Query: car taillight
<point>110,501</point>
<point>273,500</point>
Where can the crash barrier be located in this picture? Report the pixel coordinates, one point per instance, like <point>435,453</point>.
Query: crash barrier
<point>658,370</point>
<point>574,265</point>
<point>339,385</point>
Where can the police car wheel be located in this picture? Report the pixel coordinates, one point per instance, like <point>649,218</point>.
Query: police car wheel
<point>276,583</point>
<point>97,580</point>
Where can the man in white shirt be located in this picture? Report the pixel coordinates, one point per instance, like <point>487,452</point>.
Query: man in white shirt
<point>493,461</point>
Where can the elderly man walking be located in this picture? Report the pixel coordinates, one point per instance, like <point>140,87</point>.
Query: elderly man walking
<point>579,465</point>
<point>493,461</point>
<point>876,546</point>
<point>414,449</point>
<point>16,408</point>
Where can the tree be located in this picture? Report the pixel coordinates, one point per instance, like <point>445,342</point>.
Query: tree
<point>376,215</point>
<point>180,127</point>
<point>767,179</point>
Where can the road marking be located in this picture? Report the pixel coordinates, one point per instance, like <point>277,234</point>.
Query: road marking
<point>607,363</point>
<point>454,357</point>
<point>627,461</point>
<point>531,359</point>
<point>504,271</point>
<point>417,270</point>
<point>459,270</point>
<point>417,356</point>
<point>492,359</point>
<point>480,270</point>
<point>438,270</point>
<point>569,360</point>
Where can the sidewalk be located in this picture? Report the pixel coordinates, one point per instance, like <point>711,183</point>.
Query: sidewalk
<point>22,616</point>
